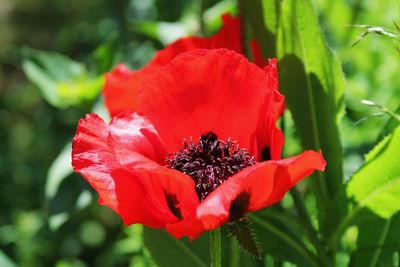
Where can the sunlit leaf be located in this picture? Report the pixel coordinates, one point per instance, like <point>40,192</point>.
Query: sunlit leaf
<point>212,16</point>
<point>312,81</point>
<point>165,32</point>
<point>78,90</point>
<point>377,184</point>
<point>62,81</point>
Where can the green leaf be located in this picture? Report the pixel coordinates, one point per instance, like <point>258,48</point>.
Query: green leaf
<point>165,32</point>
<point>312,81</point>
<point>169,251</point>
<point>245,236</point>
<point>212,15</point>
<point>378,240</point>
<point>62,81</point>
<point>377,184</point>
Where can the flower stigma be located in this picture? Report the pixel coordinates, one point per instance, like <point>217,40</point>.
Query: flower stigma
<point>209,162</point>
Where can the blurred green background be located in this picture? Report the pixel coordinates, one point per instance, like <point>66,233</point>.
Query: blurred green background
<point>46,220</point>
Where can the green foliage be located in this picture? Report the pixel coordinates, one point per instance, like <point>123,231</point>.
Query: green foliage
<point>62,81</point>
<point>375,192</point>
<point>312,82</point>
<point>165,32</point>
<point>377,184</point>
<point>212,15</point>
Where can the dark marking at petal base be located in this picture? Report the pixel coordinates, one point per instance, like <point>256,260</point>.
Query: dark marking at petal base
<point>172,203</point>
<point>239,206</point>
<point>265,153</point>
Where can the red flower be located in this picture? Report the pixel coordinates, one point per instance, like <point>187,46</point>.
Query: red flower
<point>226,109</point>
<point>122,84</point>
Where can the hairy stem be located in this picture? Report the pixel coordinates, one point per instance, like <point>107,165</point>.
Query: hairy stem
<point>215,247</point>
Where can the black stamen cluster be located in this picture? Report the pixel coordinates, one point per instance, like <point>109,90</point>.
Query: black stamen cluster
<point>210,162</point>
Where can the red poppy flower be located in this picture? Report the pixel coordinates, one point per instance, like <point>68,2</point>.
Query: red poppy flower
<point>198,148</point>
<point>121,84</point>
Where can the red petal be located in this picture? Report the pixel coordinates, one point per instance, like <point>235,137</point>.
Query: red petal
<point>98,149</point>
<point>121,84</point>
<point>228,37</point>
<point>266,182</point>
<point>278,99</point>
<point>131,132</point>
<point>120,89</point>
<point>258,57</point>
<point>205,90</point>
<point>268,134</point>
<point>191,227</point>
<point>141,195</point>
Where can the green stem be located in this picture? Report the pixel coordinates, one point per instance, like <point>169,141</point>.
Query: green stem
<point>215,247</point>
<point>234,255</point>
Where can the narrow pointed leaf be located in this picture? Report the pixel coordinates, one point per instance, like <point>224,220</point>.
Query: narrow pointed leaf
<point>312,81</point>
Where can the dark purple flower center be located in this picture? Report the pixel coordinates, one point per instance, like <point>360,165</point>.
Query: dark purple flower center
<point>210,162</point>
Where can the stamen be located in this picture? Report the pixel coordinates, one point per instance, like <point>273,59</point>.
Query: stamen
<point>210,162</point>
